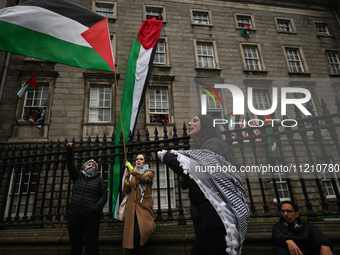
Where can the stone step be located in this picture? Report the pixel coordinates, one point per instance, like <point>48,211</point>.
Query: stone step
<point>167,240</point>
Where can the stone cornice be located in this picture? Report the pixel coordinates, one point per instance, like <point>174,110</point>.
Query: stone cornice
<point>100,75</point>
<point>257,6</point>
<point>53,74</point>
<point>160,77</point>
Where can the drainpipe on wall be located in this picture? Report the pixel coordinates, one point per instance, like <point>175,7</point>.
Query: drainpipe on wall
<point>336,15</point>
<point>4,74</point>
<point>5,70</point>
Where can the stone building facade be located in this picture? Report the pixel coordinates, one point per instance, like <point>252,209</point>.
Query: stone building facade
<point>199,39</point>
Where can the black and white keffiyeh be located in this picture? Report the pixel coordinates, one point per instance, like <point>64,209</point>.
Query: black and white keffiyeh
<point>89,171</point>
<point>93,161</point>
<point>142,186</point>
<point>222,186</point>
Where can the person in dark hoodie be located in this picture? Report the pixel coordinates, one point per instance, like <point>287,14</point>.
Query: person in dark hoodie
<point>89,195</point>
<point>296,237</point>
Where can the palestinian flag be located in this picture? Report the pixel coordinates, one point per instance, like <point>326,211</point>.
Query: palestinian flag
<point>29,85</point>
<point>57,31</point>
<point>245,31</point>
<point>137,76</point>
<point>270,140</point>
<point>137,73</point>
<point>232,120</point>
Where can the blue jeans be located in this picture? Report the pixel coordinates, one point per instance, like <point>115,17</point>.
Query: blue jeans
<point>283,251</point>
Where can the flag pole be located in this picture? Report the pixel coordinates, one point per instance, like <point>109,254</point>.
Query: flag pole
<point>120,114</point>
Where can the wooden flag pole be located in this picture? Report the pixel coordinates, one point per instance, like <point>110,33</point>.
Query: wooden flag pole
<point>120,114</point>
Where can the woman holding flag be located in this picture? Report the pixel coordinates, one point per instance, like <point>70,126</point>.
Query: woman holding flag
<point>139,221</point>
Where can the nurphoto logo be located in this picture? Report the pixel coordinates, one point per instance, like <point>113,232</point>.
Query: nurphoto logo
<point>238,105</point>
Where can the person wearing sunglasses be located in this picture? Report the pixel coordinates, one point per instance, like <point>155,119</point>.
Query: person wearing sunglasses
<point>296,237</point>
<point>139,221</point>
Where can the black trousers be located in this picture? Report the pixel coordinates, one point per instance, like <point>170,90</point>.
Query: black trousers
<point>136,239</point>
<point>84,230</point>
<point>210,242</point>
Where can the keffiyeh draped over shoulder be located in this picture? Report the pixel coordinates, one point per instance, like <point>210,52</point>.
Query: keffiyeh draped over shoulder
<point>222,186</point>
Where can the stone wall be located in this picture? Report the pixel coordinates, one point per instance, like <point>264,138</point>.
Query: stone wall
<point>67,110</point>
<point>167,240</point>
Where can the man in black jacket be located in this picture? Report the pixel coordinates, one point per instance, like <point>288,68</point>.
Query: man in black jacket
<point>89,195</point>
<point>296,237</point>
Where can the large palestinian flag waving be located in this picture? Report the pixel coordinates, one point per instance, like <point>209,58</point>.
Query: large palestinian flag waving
<point>58,31</point>
<point>138,72</point>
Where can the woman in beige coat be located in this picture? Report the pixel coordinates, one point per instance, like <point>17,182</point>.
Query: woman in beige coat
<point>139,221</point>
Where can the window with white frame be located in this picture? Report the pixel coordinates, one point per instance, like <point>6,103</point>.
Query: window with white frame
<point>333,61</point>
<point>158,104</point>
<point>24,184</point>
<point>282,187</point>
<point>261,99</point>
<point>294,60</point>
<point>163,186</point>
<point>200,17</point>
<point>154,12</point>
<point>251,57</point>
<point>281,183</point>
<point>322,29</point>
<point>34,100</point>
<point>100,104</point>
<point>113,46</point>
<point>160,55</point>
<point>244,20</point>
<point>310,105</point>
<point>205,54</point>
<point>329,190</point>
<point>284,25</point>
<point>214,108</point>
<point>327,182</point>
<point>105,9</point>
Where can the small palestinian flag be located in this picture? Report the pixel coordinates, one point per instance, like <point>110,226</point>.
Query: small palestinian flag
<point>271,140</point>
<point>29,85</point>
<point>245,31</point>
<point>231,121</point>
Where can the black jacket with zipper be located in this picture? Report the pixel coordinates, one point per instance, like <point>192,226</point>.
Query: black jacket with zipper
<point>89,195</point>
<point>308,237</point>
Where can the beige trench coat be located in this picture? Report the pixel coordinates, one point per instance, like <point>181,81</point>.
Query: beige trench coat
<point>143,210</point>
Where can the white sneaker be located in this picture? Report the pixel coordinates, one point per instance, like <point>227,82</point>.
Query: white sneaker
<point>39,126</point>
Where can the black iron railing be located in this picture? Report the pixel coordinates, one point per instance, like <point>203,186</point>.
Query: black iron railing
<point>35,188</point>
<point>311,150</point>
